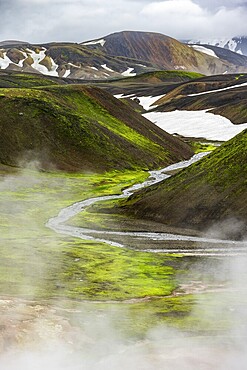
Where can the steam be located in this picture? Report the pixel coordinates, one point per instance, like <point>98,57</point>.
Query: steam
<point>230,228</point>
<point>66,335</point>
<point>54,337</point>
<point>36,160</point>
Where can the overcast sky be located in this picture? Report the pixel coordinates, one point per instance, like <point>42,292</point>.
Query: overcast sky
<point>39,21</point>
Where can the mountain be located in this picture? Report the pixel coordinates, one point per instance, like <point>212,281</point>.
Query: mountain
<point>162,51</point>
<point>238,44</point>
<point>211,191</point>
<point>118,55</point>
<point>68,60</point>
<point>80,128</point>
<point>12,43</point>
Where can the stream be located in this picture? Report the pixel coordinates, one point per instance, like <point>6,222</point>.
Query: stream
<point>195,245</point>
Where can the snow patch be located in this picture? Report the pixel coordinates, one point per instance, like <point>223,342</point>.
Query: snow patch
<point>199,124</point>
<point>73,65</point>
<point>147,101</point>
<point>179,67</point>
<point>231,45</point>
<point>67,73</point>
<point>224,88</point>
<point>96,69</point>
<point>37,58</point>
<point>5,61</point>
<point>106,68</point>
<point>129,73</point>
<point>101,42</point>
<point>122,96</point>
<point>205,50</point>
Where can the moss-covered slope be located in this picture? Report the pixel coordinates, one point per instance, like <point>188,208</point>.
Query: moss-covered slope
<point>213,189</point>
<point>80,128</point>
<point>28,80</point>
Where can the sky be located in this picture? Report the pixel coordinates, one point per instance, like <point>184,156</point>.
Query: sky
<point>39,21</point>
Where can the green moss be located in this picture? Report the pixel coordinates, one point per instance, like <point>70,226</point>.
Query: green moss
<point>24,80</point>
<point>102,272</point>
<point>200,147</point>
<point>166,76</point>
<point>36,261</point>
<point>238,76</point>
<point>77,130</point>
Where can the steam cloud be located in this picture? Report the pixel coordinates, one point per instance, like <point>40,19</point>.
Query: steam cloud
<point>37,335</point>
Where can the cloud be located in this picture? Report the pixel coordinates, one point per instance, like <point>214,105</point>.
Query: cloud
<point>187,19</point>
<point>216,4</point>
<point>79,20</point>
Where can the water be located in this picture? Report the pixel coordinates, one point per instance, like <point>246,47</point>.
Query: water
<point>204,246</point>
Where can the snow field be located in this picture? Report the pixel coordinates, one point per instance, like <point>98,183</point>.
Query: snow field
<point>200,124</point>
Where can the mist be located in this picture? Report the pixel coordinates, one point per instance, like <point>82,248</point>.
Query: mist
<point>59,333</point>
<point>85,336</point>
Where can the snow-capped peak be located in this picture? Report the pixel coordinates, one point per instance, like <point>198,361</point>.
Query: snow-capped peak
<point>238,44</point>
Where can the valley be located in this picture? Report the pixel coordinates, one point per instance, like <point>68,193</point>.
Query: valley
<point>84,294</point>
<point>123,241</point>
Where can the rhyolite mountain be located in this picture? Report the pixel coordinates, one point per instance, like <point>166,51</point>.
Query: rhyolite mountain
<point>79,128</point>
<point>209,191</point>
<point>121,54</point>
<point>163,52</point>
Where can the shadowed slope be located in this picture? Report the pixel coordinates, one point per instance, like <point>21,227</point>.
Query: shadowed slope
<point>222,94</point>
<point>80,128</point>
<point>213,189</point>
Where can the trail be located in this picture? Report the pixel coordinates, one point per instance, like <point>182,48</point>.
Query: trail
<point>204,246</point>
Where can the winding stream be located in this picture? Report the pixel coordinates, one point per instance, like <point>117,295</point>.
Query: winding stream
<point>202,246</point>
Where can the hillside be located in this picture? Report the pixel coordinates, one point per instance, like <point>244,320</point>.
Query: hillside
<point>78,128</point>
<point>149,83</point>
<point>222,94</point>
<point>222,53</point>
<point>210,191</point>
<point>162,51</point>
<point>67,60</point>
